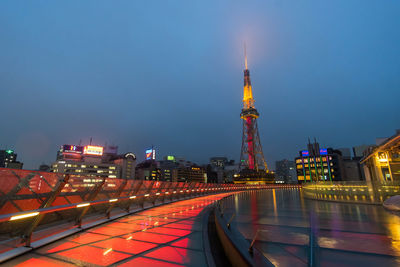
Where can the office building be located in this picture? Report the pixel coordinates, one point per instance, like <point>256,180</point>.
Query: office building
<point>285,171</point>
<point>317,164</point>
<point>8,159</point>
<point>171,169</point>
<point>94,161</point>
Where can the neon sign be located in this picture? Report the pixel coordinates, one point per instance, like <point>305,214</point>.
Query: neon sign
<point>93,150</point>
<point>305,153</point>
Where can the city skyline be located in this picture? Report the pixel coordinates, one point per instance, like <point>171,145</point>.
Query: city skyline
<point>165,76</point>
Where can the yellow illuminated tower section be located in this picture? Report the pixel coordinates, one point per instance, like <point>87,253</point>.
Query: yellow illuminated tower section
<point>253,168</point>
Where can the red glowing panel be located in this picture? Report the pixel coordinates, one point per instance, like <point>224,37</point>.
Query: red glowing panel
<point>144,262</point>
<point>179,226</point>
<point>42,263</point>
<point>99,256</point>
<point>193,242</point>
<point>110,231</point>
<point>128,226</point>
<point>88,238</point>
<point>151,237</point>
<point>63,246</point>
<point>177,255</point>
<point>169,231</point>
<point>124,245</point>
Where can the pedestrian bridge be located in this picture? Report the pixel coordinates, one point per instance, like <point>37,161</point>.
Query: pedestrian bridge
<point>40,208</point>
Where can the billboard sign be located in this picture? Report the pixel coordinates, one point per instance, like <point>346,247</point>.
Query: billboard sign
<point>305,153</point>
<point>72,149</point>
<point>93,150</point>
<point>150,154</point>
<point>323,151</point>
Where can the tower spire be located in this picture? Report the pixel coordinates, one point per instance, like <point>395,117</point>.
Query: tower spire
<point>245,56</point>
<point>248,101</point>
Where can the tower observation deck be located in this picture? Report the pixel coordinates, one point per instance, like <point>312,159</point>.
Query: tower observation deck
<point>253,168</point>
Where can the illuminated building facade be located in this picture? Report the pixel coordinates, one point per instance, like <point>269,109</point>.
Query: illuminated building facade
<point>192,174</point>
<point>317,164</point>
<point>382,163</point>
<point>94,161</point>
<point>320,165</point>
<point>253,168</point>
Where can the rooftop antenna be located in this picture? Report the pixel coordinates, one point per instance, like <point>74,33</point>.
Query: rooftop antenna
<point>90,141</point>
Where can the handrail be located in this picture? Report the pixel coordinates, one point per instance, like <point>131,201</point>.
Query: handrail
<point>233,241</point>
<point>254,239</point>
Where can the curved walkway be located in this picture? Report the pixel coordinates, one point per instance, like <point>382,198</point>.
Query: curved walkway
<point>169,235</point>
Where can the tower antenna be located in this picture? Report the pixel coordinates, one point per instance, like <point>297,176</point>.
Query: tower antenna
<point>245,56</point>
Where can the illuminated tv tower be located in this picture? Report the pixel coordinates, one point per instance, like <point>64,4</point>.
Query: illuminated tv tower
<point>251,157</point>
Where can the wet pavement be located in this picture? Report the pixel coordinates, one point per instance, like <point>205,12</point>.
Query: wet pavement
<point>345,234</point>
<point>169,235</point>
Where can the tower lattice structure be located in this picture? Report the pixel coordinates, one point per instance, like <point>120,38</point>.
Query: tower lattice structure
<point>251,157</point>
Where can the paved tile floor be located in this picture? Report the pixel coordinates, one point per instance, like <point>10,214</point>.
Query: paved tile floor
<point>169,235</point>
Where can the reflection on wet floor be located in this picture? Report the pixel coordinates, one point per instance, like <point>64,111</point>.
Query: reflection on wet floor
<point>169,235</point>
<point>346,234</point>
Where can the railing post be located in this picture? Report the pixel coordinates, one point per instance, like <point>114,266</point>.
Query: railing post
<point>91,197</point>
<point>230,221</point>
<point>27,236</point>
<point>252,243</point>
<point>148,191</point>
<point>116,195</point>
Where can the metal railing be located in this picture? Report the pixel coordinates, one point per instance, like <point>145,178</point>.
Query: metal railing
<point>361,192</point>
<point>37,205</point>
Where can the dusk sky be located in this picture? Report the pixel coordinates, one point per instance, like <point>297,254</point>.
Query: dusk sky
<point>170,74</point>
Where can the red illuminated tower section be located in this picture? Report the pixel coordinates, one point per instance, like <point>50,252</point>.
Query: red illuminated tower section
<point>253,168</point>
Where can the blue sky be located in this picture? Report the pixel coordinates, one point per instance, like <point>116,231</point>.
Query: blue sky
<point>170,74</point>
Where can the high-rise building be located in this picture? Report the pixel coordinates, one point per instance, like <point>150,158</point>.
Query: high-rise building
<point>95,161</point>
<point>8,159</point>
<point>221,170</point>
<point>253,168</point>
<point>285,170</point>
<point>218,162</point>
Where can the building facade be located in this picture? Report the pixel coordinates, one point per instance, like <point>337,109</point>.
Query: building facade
<point>8,159</point>
<point>285,170</point>
<point>94,161</point>
<point>382,162</point>
<point>326,164</point>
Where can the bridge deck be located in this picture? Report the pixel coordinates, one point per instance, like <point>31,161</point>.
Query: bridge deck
<point>169,235</point>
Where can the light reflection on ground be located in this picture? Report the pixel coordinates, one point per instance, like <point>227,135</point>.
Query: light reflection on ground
<point>347,234</point>
<point>169,235</point>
